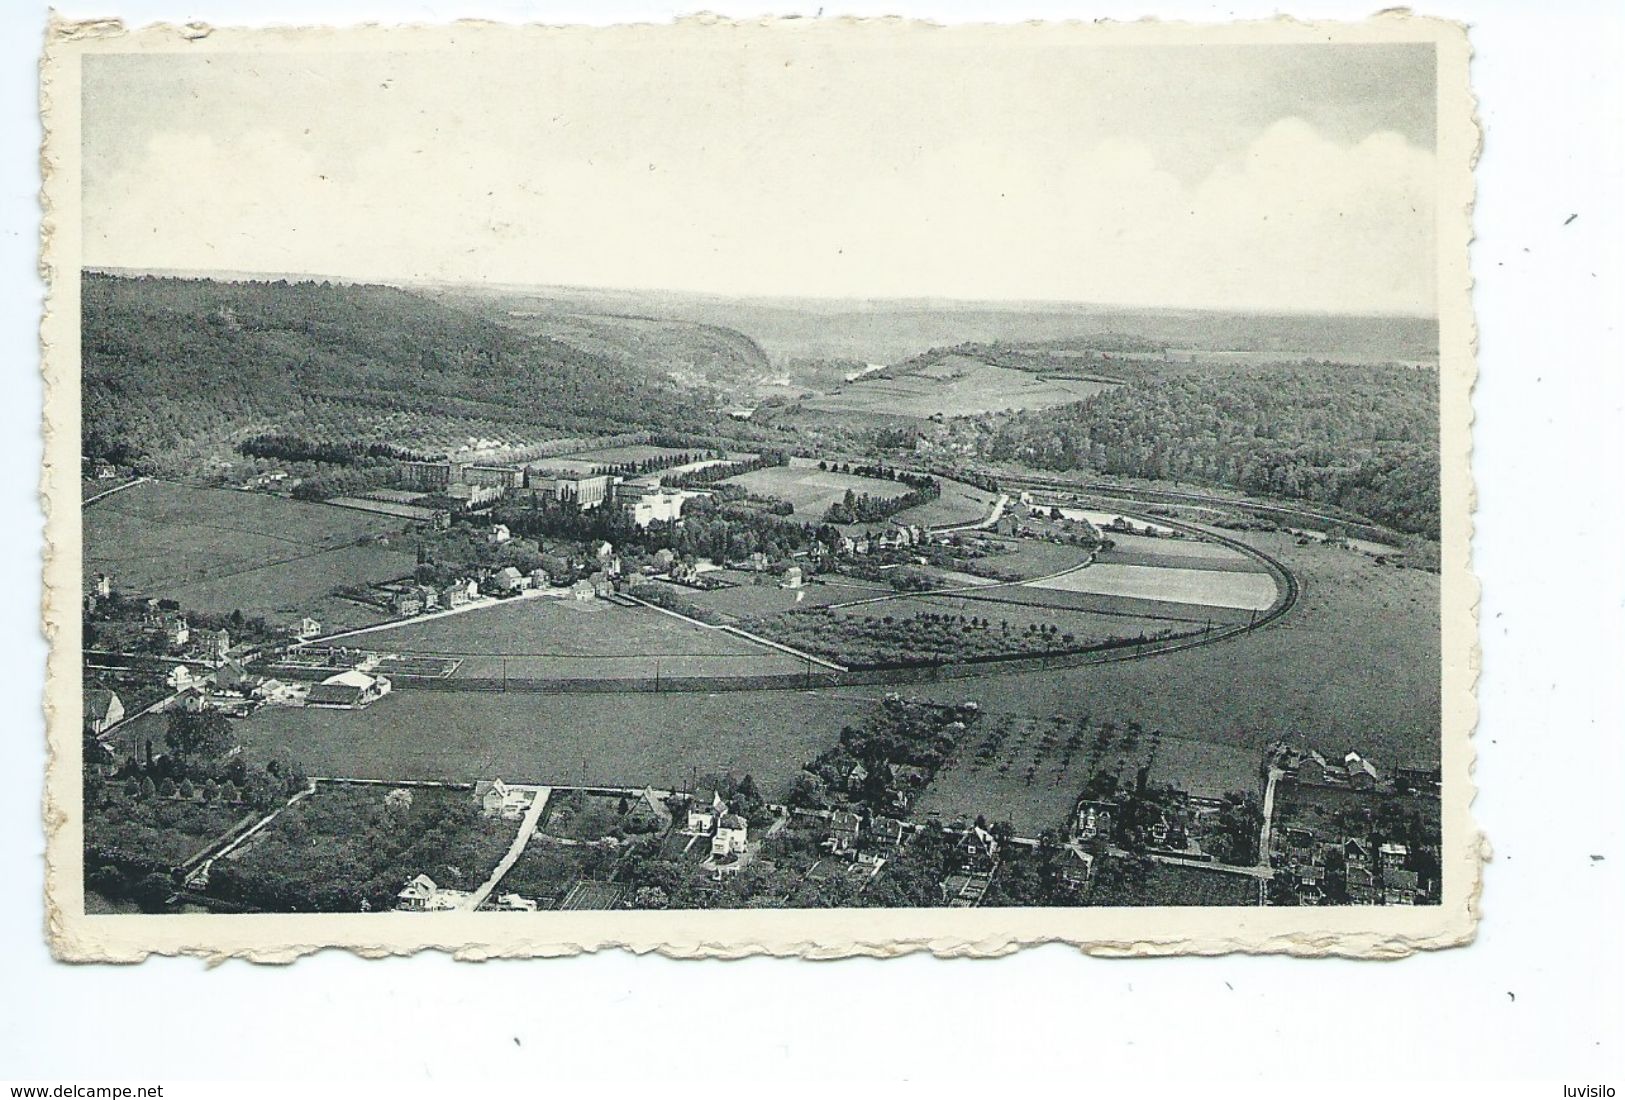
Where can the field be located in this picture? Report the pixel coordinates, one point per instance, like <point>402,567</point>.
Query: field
<point>223,550</point>
<point>810,490</point>
<point>958,503</point>
<point>1355,665</point>
<point>956,386</point>
<point>1202,587</point>
<point>749,600</point>
<point>1181,553</point>
<point>622,739</point>
<point>994,602</point>
<point>1028,558</point>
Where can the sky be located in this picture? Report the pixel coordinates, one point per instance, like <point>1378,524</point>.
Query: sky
<point>1266,177</point>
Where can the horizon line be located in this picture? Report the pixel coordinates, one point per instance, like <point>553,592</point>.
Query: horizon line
<point>409,282</point>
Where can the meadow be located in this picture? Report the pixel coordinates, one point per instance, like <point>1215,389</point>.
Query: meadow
<point>810,490</point>
<point>958,503</point>
<point>223,550</point>
<point>552,639</point>
<point>621,739</point>
<point>955,386</point>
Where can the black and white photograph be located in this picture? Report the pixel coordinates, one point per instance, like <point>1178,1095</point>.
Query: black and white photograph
<point>530,472</point>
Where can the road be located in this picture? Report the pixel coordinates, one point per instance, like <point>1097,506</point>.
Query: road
<point>527,829</point>
<point>88,501</point>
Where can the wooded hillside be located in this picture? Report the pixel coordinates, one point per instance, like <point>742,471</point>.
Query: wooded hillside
<point>178,369</point>
<point>1365,438</point>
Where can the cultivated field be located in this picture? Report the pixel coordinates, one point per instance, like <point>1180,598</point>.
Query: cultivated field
<point>1181,553</point>
<point>224,550</point>
<point>810,490</point>
<point>1201,587</point>
<point>956,386</point>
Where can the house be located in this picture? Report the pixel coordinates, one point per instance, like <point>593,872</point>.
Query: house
<point>102,586</point>
<point>105,471</point>
<point>655,507</point>
<point>232,676</point>
<point>582,590</point>
<point>1094,820</point>
<point>845,827</point>
<point>1362,774</point>
<point>729,839</point>
<point>702,817</point>
<point>889,831</point>
<point>856,777</point>
<point>977,848</point>
<point>506,581</point>
<point>176,633</point>
<point>792,577</point>
<point>539,578</point>
<point>516,903</point>
<point>350,690</point>
<point>601,584</point>
<point>757,562</point>
<point>429,595</point>
<point>213,645</point>
<point>418,895</point>
<point>406,602</point>
<point>1399,887</point>
<point>498,534</point>
<point>497,799</point>
<point>103,710</point>
<point>308,628</point>
<point>179,678</point>
<point>1360,883</point>
<point>648,813</point>
<point>1077,867</point>
<point>1392,856</point>
<point>454,594</point>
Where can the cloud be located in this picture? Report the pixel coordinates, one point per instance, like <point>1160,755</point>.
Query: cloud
<point>1294,220</point>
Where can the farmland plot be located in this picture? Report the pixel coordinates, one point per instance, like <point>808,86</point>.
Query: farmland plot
<point>223,550</point>
<point>1204,587</point>
<point>810,490</point>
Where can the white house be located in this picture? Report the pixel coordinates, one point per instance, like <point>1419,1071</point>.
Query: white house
<point>498,534</point>
<point>417,895</point>
<point>729,839</point>
<point>497,799</point>
<point>702,817</point>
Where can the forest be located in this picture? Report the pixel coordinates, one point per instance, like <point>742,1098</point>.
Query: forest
<point>1362,438</point>
<point>179,370</point>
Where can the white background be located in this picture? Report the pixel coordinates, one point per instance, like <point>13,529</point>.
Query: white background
<point>1538,996</point>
